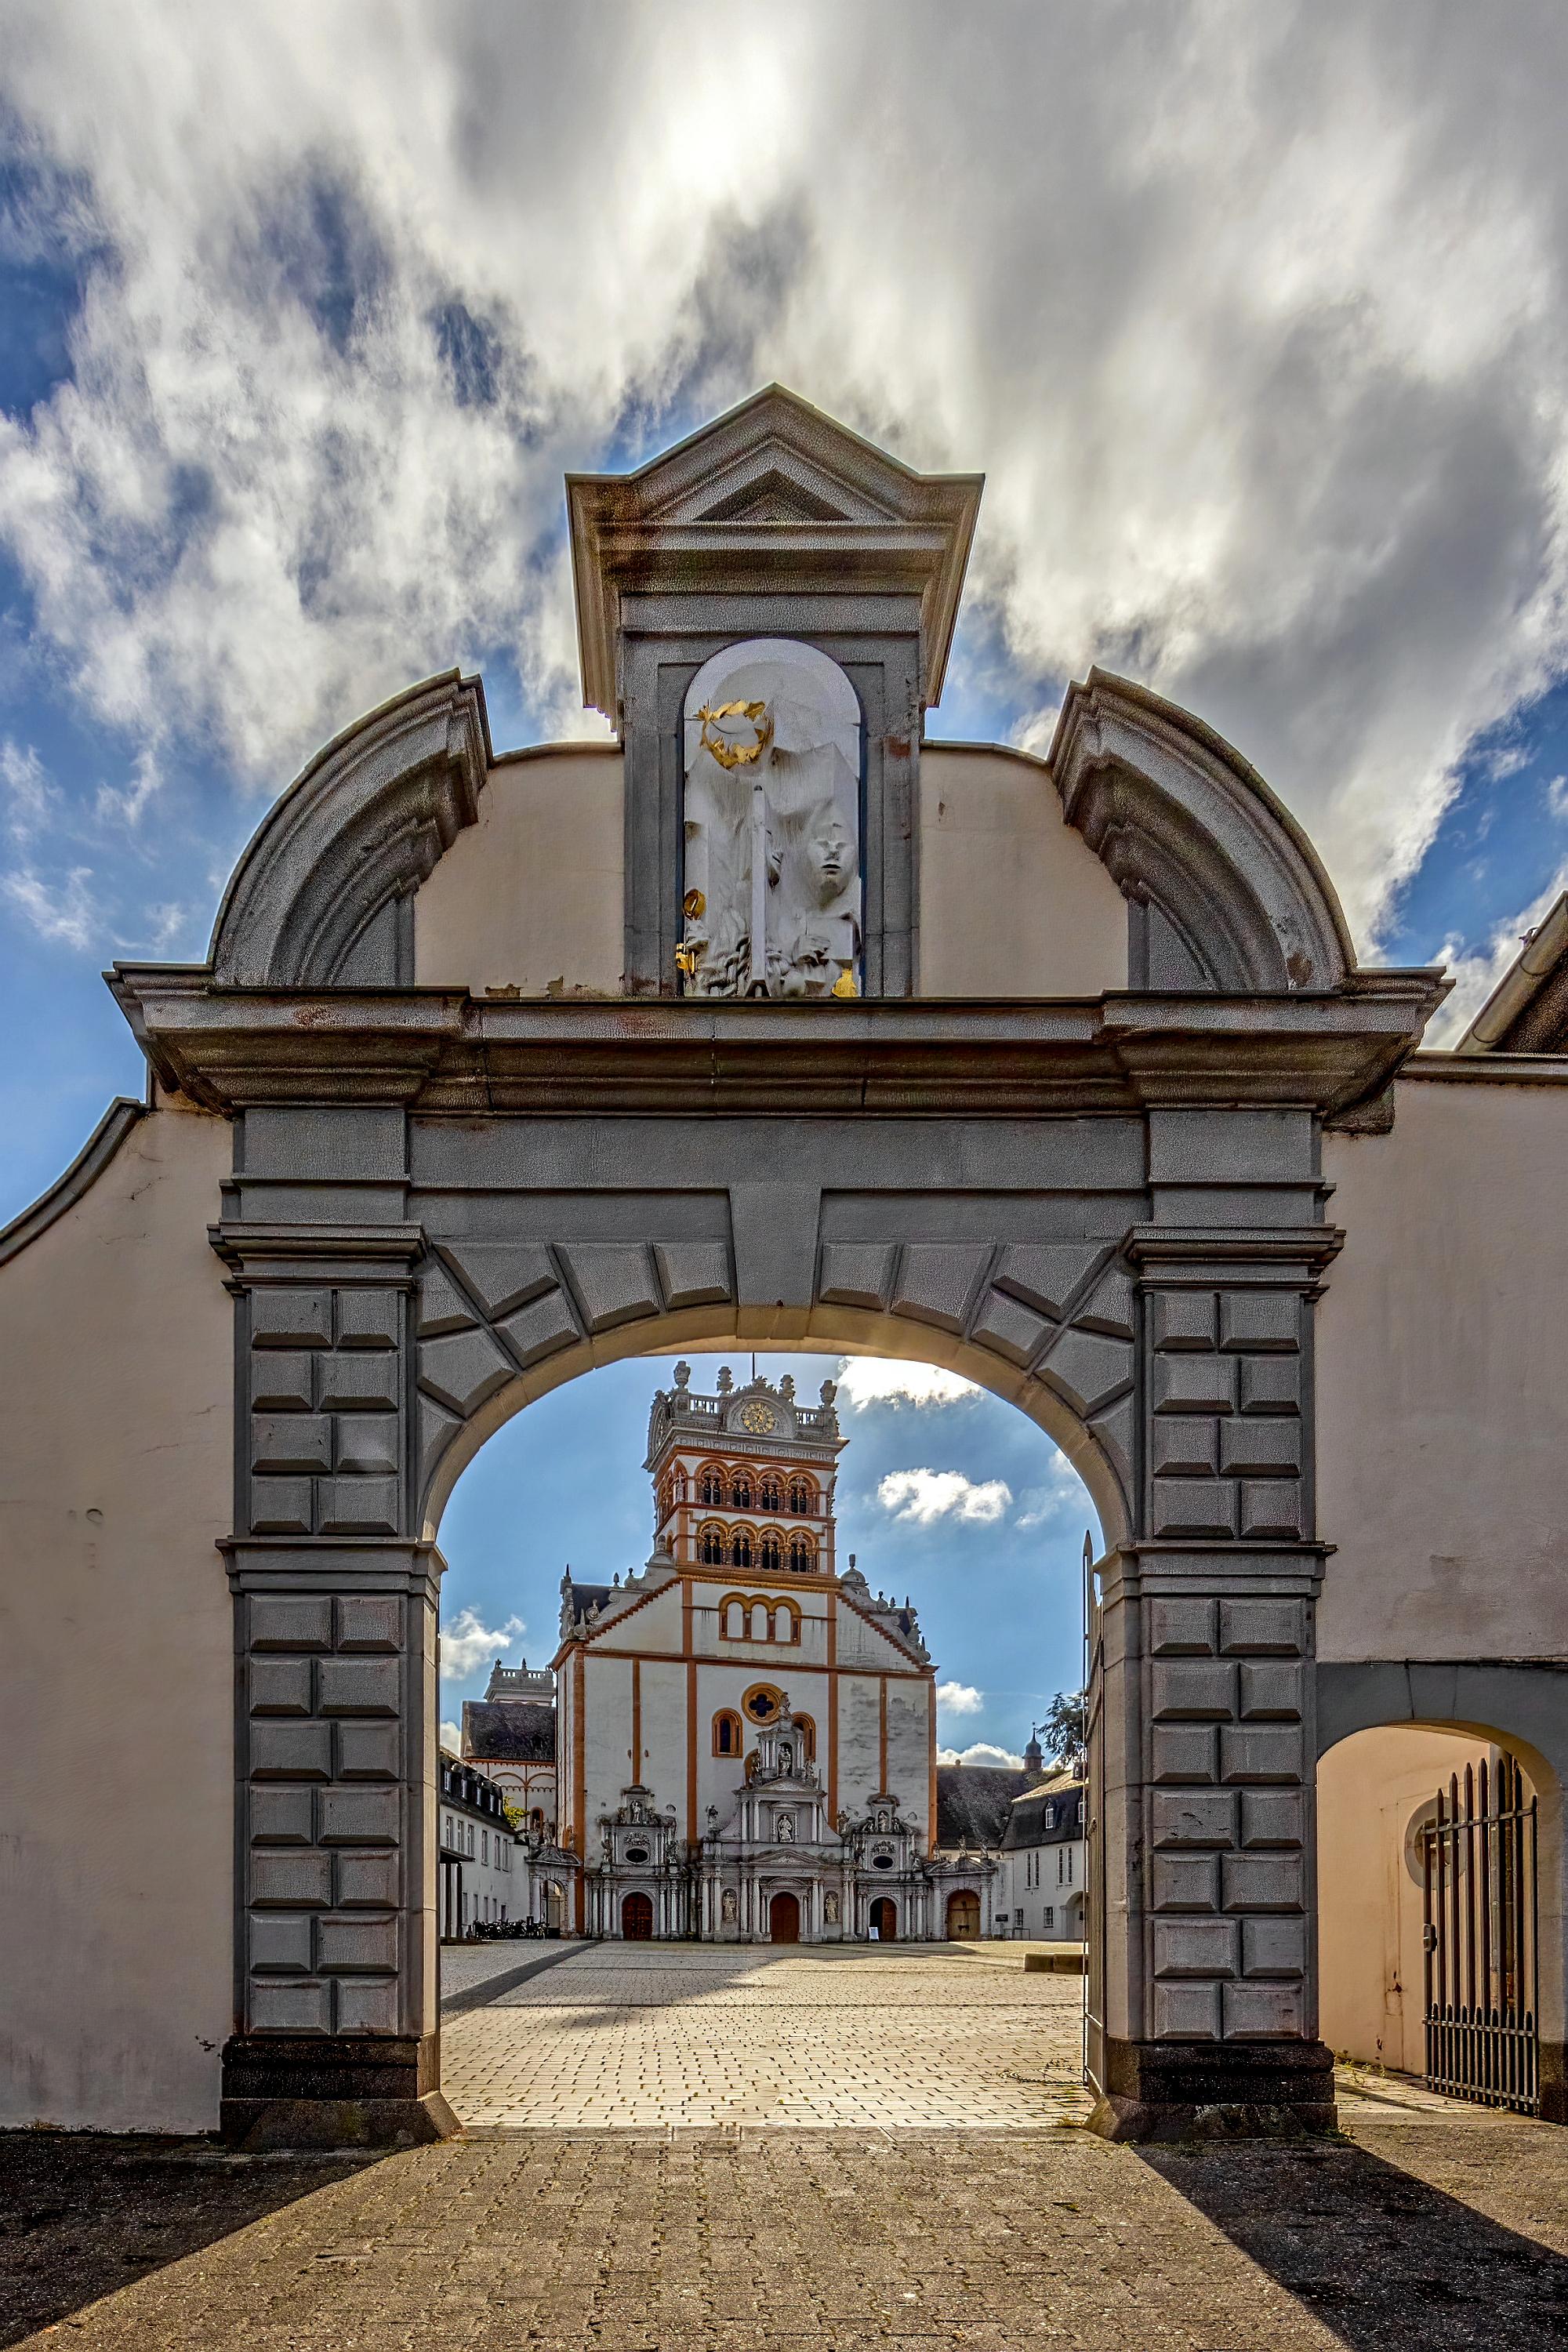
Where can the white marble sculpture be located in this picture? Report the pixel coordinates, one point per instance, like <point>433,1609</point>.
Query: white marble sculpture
<point>772,829</point>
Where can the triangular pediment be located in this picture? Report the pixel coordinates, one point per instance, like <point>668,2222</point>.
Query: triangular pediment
<point>775,494</point>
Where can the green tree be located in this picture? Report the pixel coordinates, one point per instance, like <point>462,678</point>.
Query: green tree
<point>1064,1731</point>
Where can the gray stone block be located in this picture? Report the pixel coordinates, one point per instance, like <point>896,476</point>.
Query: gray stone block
<point>1264,1882</point>
<point>282,1816</point>
<point>613,1283</point>
<point>290,1318</point>
<point>344,1946</point>
<point>289,1878</point>
<point>282,1379</point>
<point>857,1274</point>
<point>1014,1332</point>
<point>1261,1754</point>
<point>359,1507</point>
<point>1045,1276</point>
<point>937,1280</point>
<point>692,1274</point>
<point>1264,1625</point>
<point>1265,1448</point>
<point>503,1274</point>
<point>1270,1384</point>
<point>358,1685</point>
<point>290,1751</point>
<point>299,1442</point>
<point>540,1330</point>
<point>1192,1383</point>
<point>1111,1308</point>
<point>369,1318</point>
<point>358,1384</point>
<point>1180,1751</point>
<point>1181,1627</point>
<point>368,1751</point>
<point>374,1879</point>
<point>1197,1947</point>
<point>1193,1690</point>
<point>462,1369</point>
<point>369,1620</point>
<point>1273,1510</point>
<point>1183,1319</point>
<point>1273,1817</point>
<point>443,1308</point>
<point>358,1816</point>
<point>1184,1445</point>
<point>1184,1882</point>
<point>1185,2012</point>
<point>290,1621</point>
<point>1087,1371</point>
<point>367,1445</point>
<point>279,1685</point>
<point>1260,2011</point>
<point>276,2006</point>
<point>366,2004</point>
<point>281,1507</point>
<point>1271,1690</point>
<point>1188,1508</point>
<point>1274,1947</point>
<point>280,1940</point>
<point>1260,1320</point>
<point>1191,1818</point>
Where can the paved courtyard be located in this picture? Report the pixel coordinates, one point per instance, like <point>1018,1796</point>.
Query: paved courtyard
<point>639,2036</point>
<point>795,2152</point>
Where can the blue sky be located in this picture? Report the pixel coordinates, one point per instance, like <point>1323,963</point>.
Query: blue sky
<point>1254,319</point>
<point>945,1495</point>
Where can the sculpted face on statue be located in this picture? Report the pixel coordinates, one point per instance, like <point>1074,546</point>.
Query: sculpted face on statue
<point>772,875</point>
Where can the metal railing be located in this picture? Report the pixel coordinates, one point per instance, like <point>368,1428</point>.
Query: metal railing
<point>1480,1933</point>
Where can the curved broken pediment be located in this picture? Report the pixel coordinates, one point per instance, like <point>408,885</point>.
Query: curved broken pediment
<point>1228,892</point>
<point>322,895</point>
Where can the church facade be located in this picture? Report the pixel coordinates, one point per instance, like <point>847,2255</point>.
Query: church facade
<point>747,1733</point>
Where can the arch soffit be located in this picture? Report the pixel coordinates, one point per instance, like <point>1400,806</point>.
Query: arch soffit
<point>1182,823</point>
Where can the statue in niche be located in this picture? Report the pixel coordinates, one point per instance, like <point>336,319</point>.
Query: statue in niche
<point>729,1910</point>
<point>830,1909</point>
<point>786,1829</point>
<point>772,826</point>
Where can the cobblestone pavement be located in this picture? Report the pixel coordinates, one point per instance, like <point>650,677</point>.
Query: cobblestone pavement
<point>652,2035</point>
<point>1428,2225</point>
<point>464,1967</point>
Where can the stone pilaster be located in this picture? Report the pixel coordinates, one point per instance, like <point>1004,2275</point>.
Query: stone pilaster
<point>1209,2012</point>
<point>337,1997</point>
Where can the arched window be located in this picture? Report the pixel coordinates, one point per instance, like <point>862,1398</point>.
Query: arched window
<point>772,1552</point>
<point>802,1555</point>
<point>710,1486</point>
<point>741,1492</point>
<point>802,1497</point>
<point>732,1618</point>
<point>786,1622</point>
<point>769,1494</point>
<point>805,1725</point>
<point>741,1549</point>
<point>712,1547</point>
<point>762,1622</point>
<point>727,1733</point>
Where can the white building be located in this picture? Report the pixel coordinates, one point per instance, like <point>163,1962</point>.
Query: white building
<point>483,1866</point>
<point>1039,1890</point>
<point>747,1734</point>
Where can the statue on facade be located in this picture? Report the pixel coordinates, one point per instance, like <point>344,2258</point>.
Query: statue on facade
<point>786,1832</point>
<point>729,1910</point>
<point>830,1909</point>
<point>772,826</point>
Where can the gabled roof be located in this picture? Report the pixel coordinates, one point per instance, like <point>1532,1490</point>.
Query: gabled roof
<point>772,496</point>
<point>1046,1815</point>
<point>1527,1012</point>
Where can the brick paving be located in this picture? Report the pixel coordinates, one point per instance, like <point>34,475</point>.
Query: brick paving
<point>466,1966</point>
<point>654,2035</point>
<point>1428,2225</point>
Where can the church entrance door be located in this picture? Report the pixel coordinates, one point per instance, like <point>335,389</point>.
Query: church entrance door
<point>783,1919</point>
<point>885,1919</point>
<point>962,1917</point>
<point>636,1918</point>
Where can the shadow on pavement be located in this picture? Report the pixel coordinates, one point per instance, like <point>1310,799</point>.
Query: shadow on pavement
<point>82,2214</point>
<point>1378,2255</point>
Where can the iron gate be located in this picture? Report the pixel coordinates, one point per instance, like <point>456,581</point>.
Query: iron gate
<point>1479,1931</point>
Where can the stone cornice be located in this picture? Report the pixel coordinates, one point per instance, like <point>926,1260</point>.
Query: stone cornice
<point>443,1051</point>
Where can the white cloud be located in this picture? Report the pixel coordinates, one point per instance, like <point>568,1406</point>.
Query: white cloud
<point>1476,976</point>
<point>1557,796</point>
<point>1261,348</point>
<point>467,1645</point>
<point>1061,1490</point>
<point>960,1698</point>
<point>876,1379</point>
<point>927,1495</point>
<point>65,911</point>
<point>983,1752</point>
<point>31,796</point>
<point>451,1737</point>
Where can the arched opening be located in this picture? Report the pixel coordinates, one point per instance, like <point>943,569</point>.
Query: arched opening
<point>962,1917</point>
<point>1439,1909</point>
<point>847,1754</point>
<point>636,1918</point>
<point>783,1919</point>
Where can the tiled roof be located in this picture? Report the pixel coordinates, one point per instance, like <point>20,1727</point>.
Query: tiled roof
<point>1046,1816</point>
<point>508,1731</point>
<point>973,1802</point>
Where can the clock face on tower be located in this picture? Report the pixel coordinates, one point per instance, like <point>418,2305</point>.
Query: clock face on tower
<point>759,1418</point>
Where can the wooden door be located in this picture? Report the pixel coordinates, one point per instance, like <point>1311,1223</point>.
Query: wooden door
<point>636,1918</point>
<point>783,1919</point>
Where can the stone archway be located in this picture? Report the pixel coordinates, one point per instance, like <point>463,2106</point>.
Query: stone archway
<point>884,1919</point>
<point>784,1918</point>
<point>636,1918</point>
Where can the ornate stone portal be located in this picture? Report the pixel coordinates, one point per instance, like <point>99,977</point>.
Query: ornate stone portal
<point>771,828</point>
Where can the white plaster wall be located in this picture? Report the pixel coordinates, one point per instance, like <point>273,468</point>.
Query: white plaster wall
<point>664,1734</point>
<point>859,1750</point>
<point>117,1649</point>
<point>1372,1980</point>
<point>607,1710</point>
<point>1012,902</point>
<point>531,894</point>
<point>909,1749</point>
<point>653,1625</point>
<point>1443,1411</point>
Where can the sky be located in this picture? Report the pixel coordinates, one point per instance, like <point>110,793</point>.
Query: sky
<point>947,1496</point>
<point>1253,317</point>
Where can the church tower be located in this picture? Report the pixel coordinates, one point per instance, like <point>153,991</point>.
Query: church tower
<point>747,1734</point>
